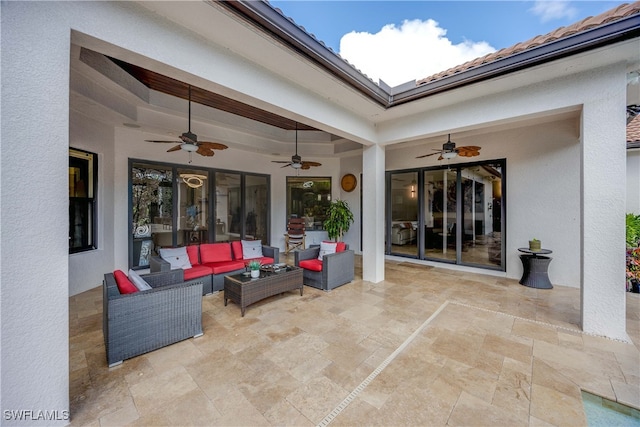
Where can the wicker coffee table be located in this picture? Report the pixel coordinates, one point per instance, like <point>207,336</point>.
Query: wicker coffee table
<point>244,290</point>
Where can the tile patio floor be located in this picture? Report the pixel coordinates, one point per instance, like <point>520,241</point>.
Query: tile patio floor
<point>428,346</point>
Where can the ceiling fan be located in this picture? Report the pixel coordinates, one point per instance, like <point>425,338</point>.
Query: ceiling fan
<point>449,151</point>
<point>189,141</point>
<point>296,161</point>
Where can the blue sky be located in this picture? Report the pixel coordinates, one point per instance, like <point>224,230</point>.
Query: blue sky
<point>451,31</point>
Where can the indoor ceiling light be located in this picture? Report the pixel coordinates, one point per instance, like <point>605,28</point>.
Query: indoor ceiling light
<point>193,180</point>
<point>296,165</point>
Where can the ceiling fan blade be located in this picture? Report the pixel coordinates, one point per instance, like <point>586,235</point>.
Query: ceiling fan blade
<point>305,166</point>
<point>440,158</point>
<point>212,145</point>
<point>468,151</point>
<point>162,142</point>
<point>176,148</point>
<point>310,164</point>
<point>430,154</point>
<point>203,151</point>
<point>469,148</point>
<point>287,165</point>
<point>281,161</point>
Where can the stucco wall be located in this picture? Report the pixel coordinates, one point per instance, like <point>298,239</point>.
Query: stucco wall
<point>543,189</point>
<point>86,269</point>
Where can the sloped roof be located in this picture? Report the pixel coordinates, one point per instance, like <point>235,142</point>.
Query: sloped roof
<point>633,133</point>
<point>620,12</point>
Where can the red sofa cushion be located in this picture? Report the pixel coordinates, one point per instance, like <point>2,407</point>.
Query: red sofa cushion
<point>236,246</point>
<point>193,253</point>
<point>124,284</point>
<point>340,246</point>
<point>197,271</point>
<point>225,266</point>
<point>215,252</point>
<point>311,264</point>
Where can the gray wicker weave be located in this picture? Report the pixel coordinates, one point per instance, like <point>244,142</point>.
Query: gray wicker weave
<point>245,291</point>
<point>214,282</point>
<point>337,269</point>
<point>141,322</point>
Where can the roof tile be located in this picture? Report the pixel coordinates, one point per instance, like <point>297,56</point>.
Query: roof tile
<point>633,131</point>
<point>620,12</point>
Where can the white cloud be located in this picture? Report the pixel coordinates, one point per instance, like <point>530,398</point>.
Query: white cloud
<point>415,50</point>
<point>549,10</point>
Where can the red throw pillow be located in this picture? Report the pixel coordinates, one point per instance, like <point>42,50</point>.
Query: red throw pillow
<point>340,246</point>
<point>236,247</point>
<point>193,253</point>
<point>124,284</point>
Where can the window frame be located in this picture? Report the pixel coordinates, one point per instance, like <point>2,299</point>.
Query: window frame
<point>88,172</point>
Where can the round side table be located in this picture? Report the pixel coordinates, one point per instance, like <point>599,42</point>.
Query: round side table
<point>535,266</point>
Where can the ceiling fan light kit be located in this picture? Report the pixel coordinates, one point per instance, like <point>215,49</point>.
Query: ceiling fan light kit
<point>449,151</point>
<point>189,147</point>
<point>189,141</point>
<point>296,161</point>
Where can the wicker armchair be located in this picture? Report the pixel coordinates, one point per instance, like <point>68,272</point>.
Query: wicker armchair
<point>337,269</point>
<point>134,324</point>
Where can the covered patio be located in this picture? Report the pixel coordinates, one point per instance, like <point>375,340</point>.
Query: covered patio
<point>426,346</point>
<point>555,115</point>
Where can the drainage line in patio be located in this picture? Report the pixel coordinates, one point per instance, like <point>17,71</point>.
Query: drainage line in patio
<point>341,407</point>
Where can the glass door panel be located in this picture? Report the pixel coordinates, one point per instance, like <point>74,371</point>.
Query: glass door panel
<point>481,215</point>
<point>152,211</point>
<point>404,213</point>
<point>256,208</point>
<point>440,214</point>
<point>193,207</point>
<point>228,207</point>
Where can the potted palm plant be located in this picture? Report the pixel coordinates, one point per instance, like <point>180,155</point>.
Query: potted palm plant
<point>339,219</point>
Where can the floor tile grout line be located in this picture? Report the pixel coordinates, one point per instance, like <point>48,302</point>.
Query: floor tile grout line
<point>347,400</point>
<point>539,322</point>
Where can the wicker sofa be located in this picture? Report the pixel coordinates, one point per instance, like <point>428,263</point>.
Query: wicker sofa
<point>137,323</point>
<point>210,262</point>
<point>336,269</point>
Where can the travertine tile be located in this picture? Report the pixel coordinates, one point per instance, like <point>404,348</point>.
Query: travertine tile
<point>497,353</point>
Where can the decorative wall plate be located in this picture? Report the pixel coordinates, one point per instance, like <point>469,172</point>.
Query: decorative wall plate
<point>349,182</point>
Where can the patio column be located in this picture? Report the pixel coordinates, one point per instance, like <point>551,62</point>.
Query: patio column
<point>603,209</point>
<point>373,214</point>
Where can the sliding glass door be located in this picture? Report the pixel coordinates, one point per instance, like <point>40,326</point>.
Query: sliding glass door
<point>452,214</point>
<point>440,214</point>
<point>171,205</point>
<point>404,214</point>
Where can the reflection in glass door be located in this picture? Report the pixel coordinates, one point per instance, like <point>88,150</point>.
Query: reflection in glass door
<point>440,214</point>
<point>193,207</point>
<point>404,213</point>
<point>256,207</point>
<point>151,212</point>
<point>481,214</point>
<point>453,214</point>
<point>228,206</point>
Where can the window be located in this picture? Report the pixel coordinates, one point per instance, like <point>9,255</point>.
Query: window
<point>309,198</point>
<point>83,176</point>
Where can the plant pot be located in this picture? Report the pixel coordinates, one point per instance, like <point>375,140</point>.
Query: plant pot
<point>535,245</point>
<point>255,274</point>
<point>635,286</point>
